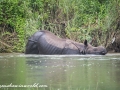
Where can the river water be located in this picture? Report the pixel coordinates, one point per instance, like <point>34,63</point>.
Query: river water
<point>59,72</point>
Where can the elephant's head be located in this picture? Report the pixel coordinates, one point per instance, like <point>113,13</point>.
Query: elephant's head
<point>100,50</point>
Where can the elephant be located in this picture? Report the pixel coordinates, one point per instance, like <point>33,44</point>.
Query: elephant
<point>46,43</point>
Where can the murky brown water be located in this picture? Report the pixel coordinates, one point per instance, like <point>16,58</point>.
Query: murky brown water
<point>59,72</point>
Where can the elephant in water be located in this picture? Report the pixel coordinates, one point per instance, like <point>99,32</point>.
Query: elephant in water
<point>46,43</point>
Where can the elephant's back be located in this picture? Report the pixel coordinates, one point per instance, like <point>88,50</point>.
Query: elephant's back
<point>52,39</point>
<point>51,43</point>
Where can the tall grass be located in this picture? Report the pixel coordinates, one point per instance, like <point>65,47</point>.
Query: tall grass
<point>94,20</point>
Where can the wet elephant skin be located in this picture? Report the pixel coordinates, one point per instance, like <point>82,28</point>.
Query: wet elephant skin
<point>46,43</point>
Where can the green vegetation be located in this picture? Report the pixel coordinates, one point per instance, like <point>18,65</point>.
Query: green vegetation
<point>95,20</point>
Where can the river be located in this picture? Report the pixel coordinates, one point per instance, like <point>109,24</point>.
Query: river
<point>59,72</point>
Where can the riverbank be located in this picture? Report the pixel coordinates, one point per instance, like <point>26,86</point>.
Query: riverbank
<point>94,20</point>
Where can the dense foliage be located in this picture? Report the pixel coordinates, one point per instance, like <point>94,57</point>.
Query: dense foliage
<point>94,20</point>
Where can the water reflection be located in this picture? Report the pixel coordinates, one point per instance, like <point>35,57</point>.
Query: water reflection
<point>12,70</point>
<point>61,72</point>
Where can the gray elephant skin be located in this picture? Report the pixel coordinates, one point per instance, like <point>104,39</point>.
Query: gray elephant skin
<point>46,43</point>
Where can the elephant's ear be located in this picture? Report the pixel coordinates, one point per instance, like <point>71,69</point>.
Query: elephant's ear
<point>85,43</point>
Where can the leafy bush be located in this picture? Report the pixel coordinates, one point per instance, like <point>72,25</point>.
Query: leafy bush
<point>74,19</point>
